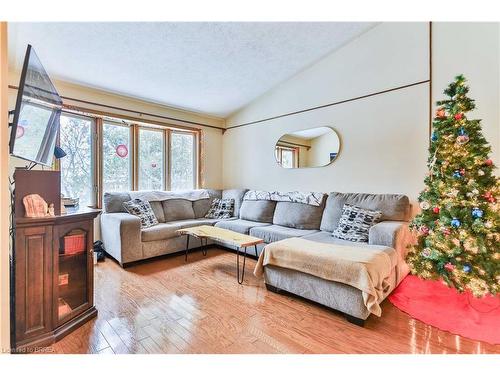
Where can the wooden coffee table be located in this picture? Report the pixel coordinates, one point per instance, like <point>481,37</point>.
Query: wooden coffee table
<point>208,232</point>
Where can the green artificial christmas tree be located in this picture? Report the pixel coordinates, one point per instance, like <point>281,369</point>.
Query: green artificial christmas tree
<point>458,227</point>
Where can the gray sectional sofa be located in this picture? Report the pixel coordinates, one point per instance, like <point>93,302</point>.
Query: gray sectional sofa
<point>272,221</point>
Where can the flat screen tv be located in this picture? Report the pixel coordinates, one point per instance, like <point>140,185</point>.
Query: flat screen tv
<point>37,114</point>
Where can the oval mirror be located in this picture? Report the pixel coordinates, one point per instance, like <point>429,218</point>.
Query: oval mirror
<point>316,147</point>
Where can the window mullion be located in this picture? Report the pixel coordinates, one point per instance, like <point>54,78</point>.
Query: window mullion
<point>168,159</point>
<point>135,155</point>
<point>98,160</point>
<point>197,161</point>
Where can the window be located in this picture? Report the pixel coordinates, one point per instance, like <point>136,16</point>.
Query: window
<point>182,161</point>
<point>151,159</point>
<point>31,130</point>
<point>116,173</point>
<point>287,157</point>
<point>77,167</point>
<point>106,155</point>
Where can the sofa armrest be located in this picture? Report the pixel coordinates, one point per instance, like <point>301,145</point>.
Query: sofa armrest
<point>121,235</point>
<point>397,235</point>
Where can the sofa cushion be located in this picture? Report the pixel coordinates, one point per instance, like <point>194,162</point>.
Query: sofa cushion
<point>355,223</point>
<point>273,233</point>
<point>202,206</point>
<point>168,230</point>
<point>298,215</point>
<point>188,223</point>
<point>237,195</point>
<point>113,202</point>
<point>158,210</point>
<point>141,209</point>
<point>326,237</point>
<point>178,209</point>
<point>393,207</point>
<point>240,225</point>
<point>261,211</point>
<point>159,232</point>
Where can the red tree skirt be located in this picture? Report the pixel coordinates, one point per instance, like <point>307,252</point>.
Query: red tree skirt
<point>434,303</point>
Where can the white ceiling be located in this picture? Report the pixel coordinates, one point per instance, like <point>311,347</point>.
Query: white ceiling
<point>209,67</point>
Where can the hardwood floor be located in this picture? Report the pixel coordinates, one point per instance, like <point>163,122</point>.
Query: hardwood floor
<point>169,306</point>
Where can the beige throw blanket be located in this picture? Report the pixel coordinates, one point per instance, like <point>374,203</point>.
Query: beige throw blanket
<point>367,269</point>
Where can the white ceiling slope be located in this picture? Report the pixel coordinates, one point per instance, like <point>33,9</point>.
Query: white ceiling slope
<point>209,67</point>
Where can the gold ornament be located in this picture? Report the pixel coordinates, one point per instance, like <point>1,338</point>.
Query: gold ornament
<point>424,205</point>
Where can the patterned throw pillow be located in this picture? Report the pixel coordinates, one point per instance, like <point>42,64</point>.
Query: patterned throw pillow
<point>221,209</point>
<point>143,210</point>
<point>355,223</point>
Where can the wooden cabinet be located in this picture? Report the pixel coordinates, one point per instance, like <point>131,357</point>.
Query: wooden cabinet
<point>33,285</point>
<point>53,277</point>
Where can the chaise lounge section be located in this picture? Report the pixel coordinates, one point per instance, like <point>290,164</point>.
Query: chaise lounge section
<point>392,235</point>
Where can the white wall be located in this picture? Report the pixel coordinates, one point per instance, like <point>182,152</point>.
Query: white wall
<point>472,49</point>
<point>384,138</point>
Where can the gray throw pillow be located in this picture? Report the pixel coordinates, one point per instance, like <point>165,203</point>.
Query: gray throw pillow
<point>221,209</point>
<point>355,223</point>
<point>143,210</point>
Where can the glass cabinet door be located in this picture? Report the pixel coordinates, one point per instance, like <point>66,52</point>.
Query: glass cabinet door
<point>72,273</point>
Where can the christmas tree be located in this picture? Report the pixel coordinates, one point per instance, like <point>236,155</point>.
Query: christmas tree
<point>458,237</point>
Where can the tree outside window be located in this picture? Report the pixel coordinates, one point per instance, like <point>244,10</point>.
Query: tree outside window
<point>151,159</point>
<point>116,157</point>
<point>182,161</point>
<point>77,166</point>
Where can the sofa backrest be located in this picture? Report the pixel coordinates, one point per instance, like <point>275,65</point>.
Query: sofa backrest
<point>202,206</point>
<point>113,202</point>
<point>261,210</point>
<point>298,215</point>
<point>393,206</point>
<point>177,209</point>
<point>158,210</point>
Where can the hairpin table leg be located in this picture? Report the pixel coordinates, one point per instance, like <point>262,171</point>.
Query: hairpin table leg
<point>187,248</point>
<point>240,281</point>
<point>256,254</point>
<point>204,247</point>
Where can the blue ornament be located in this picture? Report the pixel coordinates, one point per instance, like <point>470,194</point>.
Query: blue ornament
<point>455,223</point>
<point>462,131</point>
<point>467,268</point>
<point>434,137</point>
<point>477,213</point>
<point>457,174</point>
